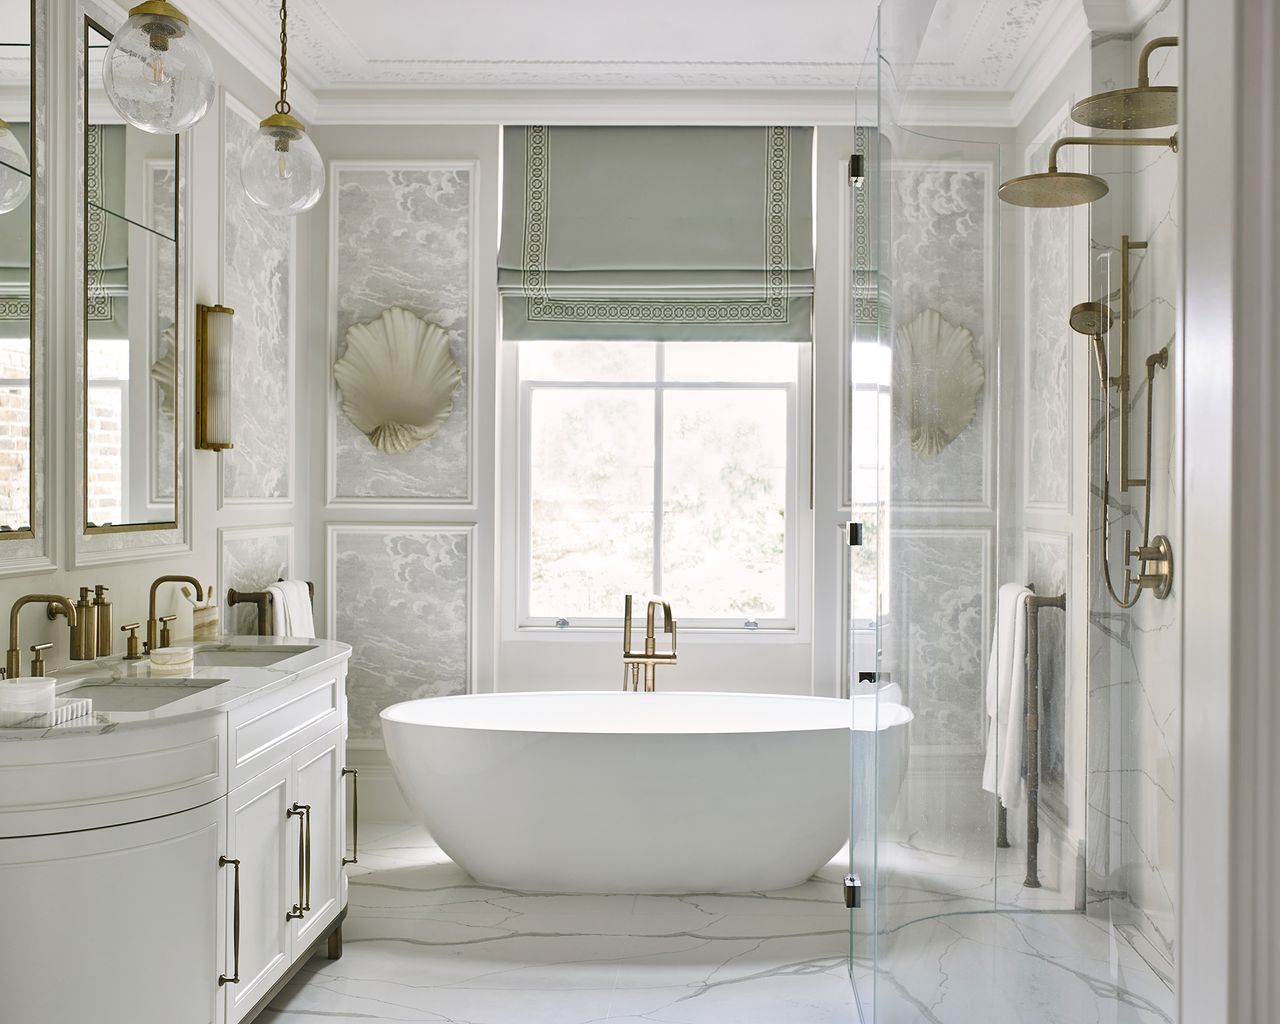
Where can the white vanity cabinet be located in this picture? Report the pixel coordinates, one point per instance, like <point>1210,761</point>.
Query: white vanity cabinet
<point>284,827</point>
<point>132,919</point>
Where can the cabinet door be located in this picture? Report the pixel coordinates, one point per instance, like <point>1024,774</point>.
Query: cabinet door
<point>264,838</point>
<point>120,925</point>
<point>317,776</point>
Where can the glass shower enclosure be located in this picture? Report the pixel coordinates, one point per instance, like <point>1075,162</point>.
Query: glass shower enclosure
<point>1015,748</point>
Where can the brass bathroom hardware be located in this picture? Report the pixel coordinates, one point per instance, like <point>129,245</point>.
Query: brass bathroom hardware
<point>152,623</point>
<point>213,377</point>
<point>234,978</point>
<point>302,813</point>
<point>1154,555</point>
<point>166,634</point>
<point>102,612</point>
<point>37,657</point>
<point>85,647</point>
<point>13,661</point>
<point>262,600</point>
<point>131,652</point>
<point>1147,106</point>
<point>650,659</point>
<point>1031,745</point>
<point>355,816</point>
<point>1054,188</point>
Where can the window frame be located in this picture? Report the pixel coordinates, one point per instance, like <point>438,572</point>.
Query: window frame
<point>518,558</point>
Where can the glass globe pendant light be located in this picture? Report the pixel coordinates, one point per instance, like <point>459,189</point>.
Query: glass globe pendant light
<point>156,72</point>
<point>282,170</point>
<point>15,170</point>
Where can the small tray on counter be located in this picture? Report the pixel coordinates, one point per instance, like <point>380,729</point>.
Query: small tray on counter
<point>65,709</point>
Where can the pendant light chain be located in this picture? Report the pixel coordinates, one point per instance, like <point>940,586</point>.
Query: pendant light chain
<point>282,105</point>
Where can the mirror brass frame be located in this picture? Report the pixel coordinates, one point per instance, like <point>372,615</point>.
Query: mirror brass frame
<point>30,531</point>
<point>170,524</point>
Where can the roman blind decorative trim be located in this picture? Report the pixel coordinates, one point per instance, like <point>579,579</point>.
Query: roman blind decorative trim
<point>657,233</point>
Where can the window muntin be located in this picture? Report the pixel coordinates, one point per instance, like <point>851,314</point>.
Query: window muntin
<point>713,429</point>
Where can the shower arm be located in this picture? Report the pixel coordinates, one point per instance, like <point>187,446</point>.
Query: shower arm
<point>1105,140</point>
<point>1144,60</point>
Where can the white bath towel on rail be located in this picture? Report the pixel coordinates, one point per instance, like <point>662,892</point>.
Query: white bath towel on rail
<point>1006,696</point>
<point>291,609</point>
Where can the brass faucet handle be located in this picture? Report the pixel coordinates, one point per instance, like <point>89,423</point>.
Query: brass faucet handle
<point>166,634</point>
<point>37,662</point>
<point>132,653</point>
<point>54,610</point>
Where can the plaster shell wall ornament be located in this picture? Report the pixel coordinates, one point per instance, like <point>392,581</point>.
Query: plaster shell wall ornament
<point>937,381</point>
<point>397,380</point>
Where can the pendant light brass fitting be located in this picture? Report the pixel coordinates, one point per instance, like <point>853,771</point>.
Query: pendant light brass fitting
<point>169,22</point>
<point>284,128</point>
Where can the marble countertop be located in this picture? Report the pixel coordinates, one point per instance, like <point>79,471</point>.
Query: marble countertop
<point>238,684</point>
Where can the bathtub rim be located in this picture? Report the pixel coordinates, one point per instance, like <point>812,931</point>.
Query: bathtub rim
<point>388,714</point>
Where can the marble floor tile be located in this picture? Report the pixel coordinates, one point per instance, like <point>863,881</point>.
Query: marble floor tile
<point>426,943</point>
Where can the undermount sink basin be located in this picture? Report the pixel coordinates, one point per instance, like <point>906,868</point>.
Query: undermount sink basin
<point>247,657</point>
<point>137,694</point>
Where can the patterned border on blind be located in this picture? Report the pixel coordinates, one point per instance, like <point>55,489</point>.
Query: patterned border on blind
<point>98,304</point>
<point>772,307</point>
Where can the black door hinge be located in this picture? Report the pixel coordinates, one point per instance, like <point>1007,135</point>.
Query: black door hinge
<point>855,534</point>
<point>852,892</point>
<point>857,170</point>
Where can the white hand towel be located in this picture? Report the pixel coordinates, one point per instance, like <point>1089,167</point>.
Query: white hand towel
<point>291,607</point>
<point>1006,696</point>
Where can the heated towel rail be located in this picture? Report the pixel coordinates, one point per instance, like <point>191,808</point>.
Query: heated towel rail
<point>1031,744</point>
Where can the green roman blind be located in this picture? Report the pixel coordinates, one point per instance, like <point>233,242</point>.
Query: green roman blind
<point>657,233</point>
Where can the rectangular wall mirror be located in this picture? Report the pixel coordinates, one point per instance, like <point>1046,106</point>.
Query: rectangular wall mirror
<point>133,351</point>
<point>17,270</point>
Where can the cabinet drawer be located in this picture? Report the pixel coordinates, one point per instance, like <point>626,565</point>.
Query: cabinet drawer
<point>94,780</point>
<point>268,729</point>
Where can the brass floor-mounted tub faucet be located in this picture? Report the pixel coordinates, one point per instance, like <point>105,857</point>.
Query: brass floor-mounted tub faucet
<point>650,659</point>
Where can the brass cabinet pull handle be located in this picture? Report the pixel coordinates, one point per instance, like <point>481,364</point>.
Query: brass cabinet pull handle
<point>355,816</point>
<point>306,891</point>
<point>300,811</point>
<point>235,926</point>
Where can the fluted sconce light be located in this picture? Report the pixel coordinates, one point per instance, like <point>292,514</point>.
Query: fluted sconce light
<point>213,377</point>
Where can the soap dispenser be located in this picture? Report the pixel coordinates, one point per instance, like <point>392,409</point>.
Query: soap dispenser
<point>84,638</point>
<point>102,608</point>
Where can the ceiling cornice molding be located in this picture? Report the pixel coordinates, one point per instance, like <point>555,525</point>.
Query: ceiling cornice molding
<point>592,106</point>
<point>257,55</point>
<point>1063,35</point>
<point>1121,16</point>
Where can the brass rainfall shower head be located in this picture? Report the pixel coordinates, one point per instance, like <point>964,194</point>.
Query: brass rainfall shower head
<point>1147,106</point>
<point>1055,188</point>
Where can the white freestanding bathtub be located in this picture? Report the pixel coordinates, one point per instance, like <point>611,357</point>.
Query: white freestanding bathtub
<point>617,792</point>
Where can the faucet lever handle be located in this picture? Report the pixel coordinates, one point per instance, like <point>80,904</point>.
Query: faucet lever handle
<point>37,662</point>
<point>166,634</point>
<point>131,646</point>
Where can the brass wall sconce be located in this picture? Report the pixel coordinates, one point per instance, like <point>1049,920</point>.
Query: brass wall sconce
<point>1055,188</point>
<point>213,377</point>
<point>1154,555</point>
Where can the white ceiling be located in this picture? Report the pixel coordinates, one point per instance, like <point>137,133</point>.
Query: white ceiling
<point>353,55</point>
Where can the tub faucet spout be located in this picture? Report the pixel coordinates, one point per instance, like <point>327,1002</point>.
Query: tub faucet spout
<point>649,659</point>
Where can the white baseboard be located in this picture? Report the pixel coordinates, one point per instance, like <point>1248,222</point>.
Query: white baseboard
<point>380,799</point>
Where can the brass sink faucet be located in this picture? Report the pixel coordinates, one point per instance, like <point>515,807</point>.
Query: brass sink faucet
<point>153,624</point>
<point>650,659</point>
<point>12,662</point>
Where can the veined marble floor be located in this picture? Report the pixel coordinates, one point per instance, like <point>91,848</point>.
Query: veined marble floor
<point>425,943</point>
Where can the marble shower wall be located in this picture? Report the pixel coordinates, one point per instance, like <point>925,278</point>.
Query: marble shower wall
<point>258,254</point>
<point>251,559</point>
<point>1135,656</point>
<point>403,602</point>
<point>403,236</point>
